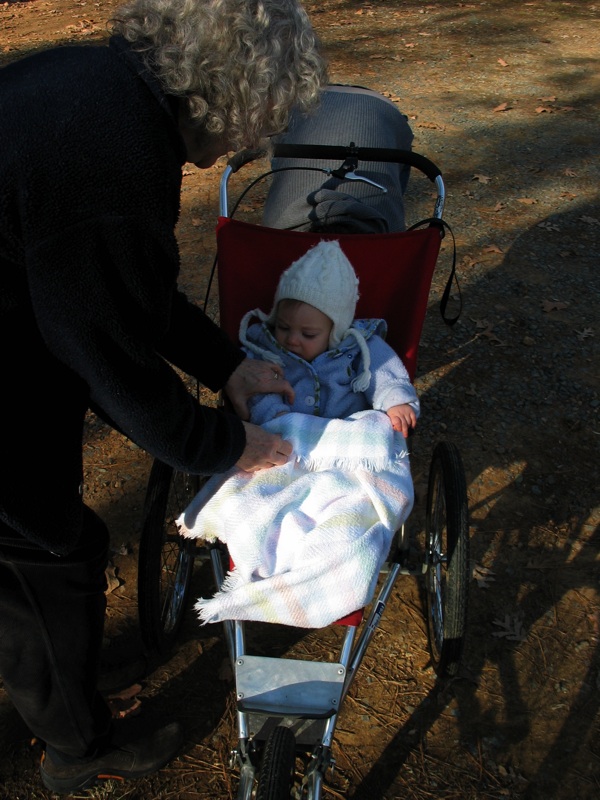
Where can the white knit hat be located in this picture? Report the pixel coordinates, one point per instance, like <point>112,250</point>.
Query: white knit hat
<point>324,278</point>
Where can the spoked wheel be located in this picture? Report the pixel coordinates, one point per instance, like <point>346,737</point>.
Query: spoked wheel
<point>447,559</point>
<point>166,559</point>
<point>277,765</point>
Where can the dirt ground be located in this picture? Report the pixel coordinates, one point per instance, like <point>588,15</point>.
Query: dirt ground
<point>505,97</point>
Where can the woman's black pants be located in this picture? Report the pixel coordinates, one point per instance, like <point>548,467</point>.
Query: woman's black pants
<point>52,612</point>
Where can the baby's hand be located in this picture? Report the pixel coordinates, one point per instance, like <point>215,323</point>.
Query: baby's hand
<point>403,418</point>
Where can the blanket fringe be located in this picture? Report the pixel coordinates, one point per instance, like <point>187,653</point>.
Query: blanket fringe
<point>343,464</point>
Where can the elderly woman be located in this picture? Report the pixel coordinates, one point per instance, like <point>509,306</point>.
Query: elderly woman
<point>95,138</point>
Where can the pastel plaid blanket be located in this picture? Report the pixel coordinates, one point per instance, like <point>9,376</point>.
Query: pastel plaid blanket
<point>307,539</point>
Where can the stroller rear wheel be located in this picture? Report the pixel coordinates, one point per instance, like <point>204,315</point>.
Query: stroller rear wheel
<point>447,559</point>
<point>166,559</point>
<point>277,765</point>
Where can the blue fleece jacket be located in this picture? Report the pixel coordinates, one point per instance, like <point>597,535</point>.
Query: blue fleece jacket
<point>323,387</point>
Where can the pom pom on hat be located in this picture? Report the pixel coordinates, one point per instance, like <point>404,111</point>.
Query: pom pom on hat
<point>324,278</point>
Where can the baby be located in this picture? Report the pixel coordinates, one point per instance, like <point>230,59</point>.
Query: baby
<point>336,364</point>
<point>309,537</point>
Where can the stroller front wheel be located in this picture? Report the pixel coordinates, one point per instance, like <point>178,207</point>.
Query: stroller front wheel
<point>277,765</point>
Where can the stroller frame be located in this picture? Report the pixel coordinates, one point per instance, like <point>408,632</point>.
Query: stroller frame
<point>289,708</point>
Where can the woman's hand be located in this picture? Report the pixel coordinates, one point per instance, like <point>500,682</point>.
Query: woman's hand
<point>263,450</point>
<point>255,377</point>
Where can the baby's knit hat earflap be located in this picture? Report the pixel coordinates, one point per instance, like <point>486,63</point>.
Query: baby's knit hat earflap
<point>324,278</point>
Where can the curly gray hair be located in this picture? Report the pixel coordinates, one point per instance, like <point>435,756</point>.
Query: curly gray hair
<point>240,64</point>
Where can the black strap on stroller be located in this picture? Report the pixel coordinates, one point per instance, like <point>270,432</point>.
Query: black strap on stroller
<point>351,156</point>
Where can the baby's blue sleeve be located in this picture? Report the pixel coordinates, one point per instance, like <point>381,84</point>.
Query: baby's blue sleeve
<point>390,383</point>
<point>265,407</point>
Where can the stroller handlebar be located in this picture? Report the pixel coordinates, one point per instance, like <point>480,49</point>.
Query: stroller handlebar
<point>349,155</point>
<point>336,152</point>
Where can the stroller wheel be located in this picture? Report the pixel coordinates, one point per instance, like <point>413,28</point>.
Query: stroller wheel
<point>447,559</point>
<point>166,559</point>
<point>277,765</point>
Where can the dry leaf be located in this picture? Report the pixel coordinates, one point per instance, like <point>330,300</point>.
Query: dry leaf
<point>483,576</point>
<point>513,628</point>
<point>125,703</point>
<point>502,62</point>
<point>509,773</point>
<point>499,206</point>
<point>544,110</point>
<point>570,173</point>
<point>503,107</point>
<point>549,226</point>
<point>584,334</point>
<point>551,99</point>
<point>489,334</point>
<point>481,178</point>
<point>492,248</point>
<point>485,328</point>
<point>553,305</point>
<point>111,578</point>
<point>527,201</point>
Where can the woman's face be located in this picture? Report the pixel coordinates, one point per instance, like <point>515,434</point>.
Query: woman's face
<point>201,149</point>
<point>302,329</point>
<point>209,153</point>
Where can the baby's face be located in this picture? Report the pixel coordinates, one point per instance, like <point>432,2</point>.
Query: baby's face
<point>302,329</point>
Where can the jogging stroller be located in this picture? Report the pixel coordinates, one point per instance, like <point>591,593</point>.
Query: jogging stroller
<point>287,709</point>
